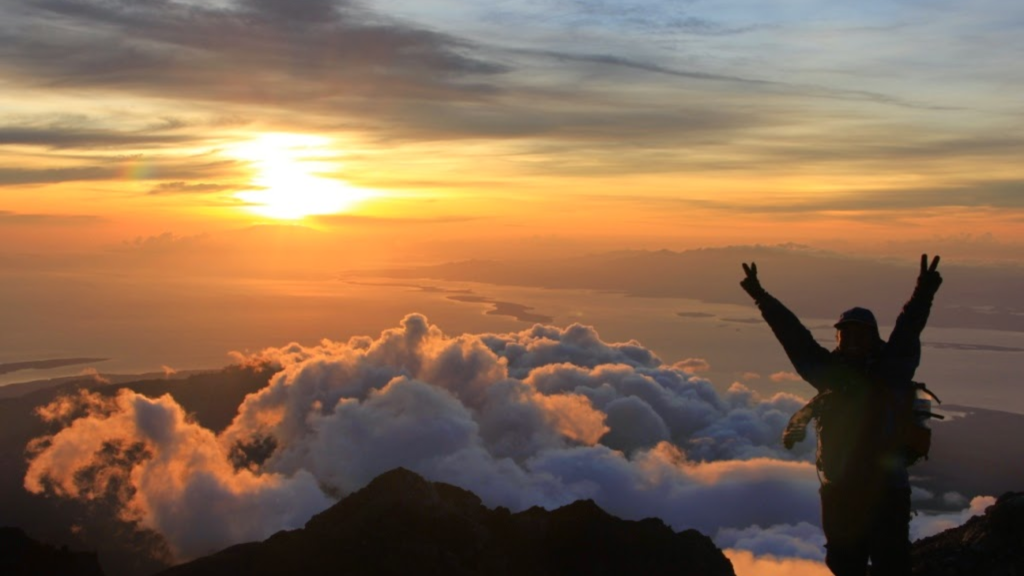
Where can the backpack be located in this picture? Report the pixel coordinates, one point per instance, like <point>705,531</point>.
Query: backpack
<point>910,412</point>
<point>917,436</point>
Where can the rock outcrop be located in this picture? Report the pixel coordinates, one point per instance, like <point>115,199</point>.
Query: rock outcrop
<point>23,556</point>
<point>403,524</point>
<point>987,545</point>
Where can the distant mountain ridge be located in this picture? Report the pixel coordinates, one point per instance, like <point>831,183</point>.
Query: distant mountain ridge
<point>403,524</point>
<point>816,283</point>
<point>45,364</point>
<point>19,389</point>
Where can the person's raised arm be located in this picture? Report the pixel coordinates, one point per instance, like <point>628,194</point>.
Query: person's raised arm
<point>905,340</point>
<point>809,358</point>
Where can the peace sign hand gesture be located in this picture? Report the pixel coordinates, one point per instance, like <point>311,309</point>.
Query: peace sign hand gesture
<point>751,284</point>
<point>929,279</point>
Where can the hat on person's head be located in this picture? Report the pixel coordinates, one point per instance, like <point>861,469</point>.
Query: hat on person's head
<point>857,315</point>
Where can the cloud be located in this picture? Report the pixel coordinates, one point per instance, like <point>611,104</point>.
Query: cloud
<point>803,540</point>
<point>133,167</point>
<point>979,194</point>
<point>72,137</point>
<point>29,218</point>
<point>804,90</point>
<point>675,101</point>
<point>339,60</point>
<point>164,243</point>
<point>695,314</point>
<point>800,548</point>
<point>372,221</point>
<point>924,524</point>
<point>971,347</point>
<point>169,474</point>
<point>21,176</point>
<point>180,187</point>
<point>786,377</point>
<point>693,365</point>
<point>644,17</point>
<point>253,51</point>
<point>750,320</point>
<point>954,499</point>
<point>544,416</point>
<point>619,61</point>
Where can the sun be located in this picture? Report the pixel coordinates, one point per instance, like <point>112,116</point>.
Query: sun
<point>288,184</point>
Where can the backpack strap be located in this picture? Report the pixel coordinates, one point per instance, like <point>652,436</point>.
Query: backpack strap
<point>921,386</point>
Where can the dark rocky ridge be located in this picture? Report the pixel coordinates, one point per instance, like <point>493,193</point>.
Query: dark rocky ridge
<point>403,524</point>
<point>23,556</point>
<point>987,545</point>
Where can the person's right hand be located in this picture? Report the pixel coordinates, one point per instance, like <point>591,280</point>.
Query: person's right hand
<point>751,284</point>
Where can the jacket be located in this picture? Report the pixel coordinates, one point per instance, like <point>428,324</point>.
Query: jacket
<point>856,411</point>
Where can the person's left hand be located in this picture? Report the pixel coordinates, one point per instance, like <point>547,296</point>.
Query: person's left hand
<point>929,279</point>
<point>790,437</point>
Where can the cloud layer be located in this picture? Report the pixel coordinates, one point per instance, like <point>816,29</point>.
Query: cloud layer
<point>542,417</point>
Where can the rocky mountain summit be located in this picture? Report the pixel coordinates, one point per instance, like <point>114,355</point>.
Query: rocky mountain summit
<point>403,524</point>
<point>987,545</point>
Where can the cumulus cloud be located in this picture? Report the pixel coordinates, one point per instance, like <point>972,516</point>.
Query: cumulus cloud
<point>693,365</point>
<point>544,416</point>
<point>803,540</point>
<point>786,377</point>
<point>954,499</point>
<point>924,525</point>
<point>169,474</point>
<point>800,548</point>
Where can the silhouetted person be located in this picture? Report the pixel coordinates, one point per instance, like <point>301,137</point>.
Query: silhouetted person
<point>862,461</point>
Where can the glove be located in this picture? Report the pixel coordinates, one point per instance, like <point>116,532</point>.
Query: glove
<point>791,437</point>
<point>751,284</point>
<point>929,280</point>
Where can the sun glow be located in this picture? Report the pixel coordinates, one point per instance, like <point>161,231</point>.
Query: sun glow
<point>289,182</point>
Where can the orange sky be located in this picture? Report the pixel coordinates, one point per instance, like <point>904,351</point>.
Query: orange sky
<point>417,131</point>
<point>184,178</point>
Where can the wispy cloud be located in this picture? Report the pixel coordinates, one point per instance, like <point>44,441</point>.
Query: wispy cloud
<point>370,221</point>
<point>8,217</point>
<point>57,136</point>
<point>859,111</point>
<point>320,53</point>
<point>181,187</point>
<point>137,167</point>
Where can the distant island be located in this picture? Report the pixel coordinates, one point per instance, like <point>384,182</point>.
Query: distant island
<point>9,367</point>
